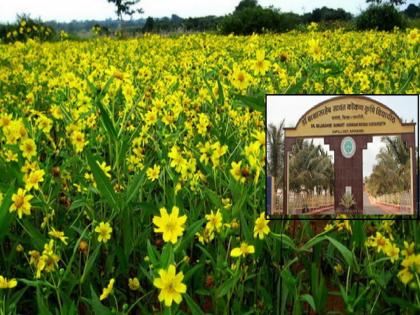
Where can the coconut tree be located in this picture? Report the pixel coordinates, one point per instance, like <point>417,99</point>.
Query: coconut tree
<point>310,168</point>
<point>275,152</point>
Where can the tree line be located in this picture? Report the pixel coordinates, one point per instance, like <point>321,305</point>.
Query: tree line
<point>247,18</point>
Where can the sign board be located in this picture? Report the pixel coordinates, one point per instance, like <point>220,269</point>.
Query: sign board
<point>348,116</point>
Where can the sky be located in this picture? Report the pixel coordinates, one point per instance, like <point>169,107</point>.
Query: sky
<point>67,10</point>
<point>292,107</point>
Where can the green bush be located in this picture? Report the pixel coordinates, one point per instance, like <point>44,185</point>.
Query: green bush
<point>258,20</point>
<point>24,29</point>
<point>381,17</point>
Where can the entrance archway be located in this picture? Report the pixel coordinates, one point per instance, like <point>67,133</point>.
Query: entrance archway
<point>347,124</point>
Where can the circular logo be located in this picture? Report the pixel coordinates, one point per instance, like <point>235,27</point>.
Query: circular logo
<point>348,147</point>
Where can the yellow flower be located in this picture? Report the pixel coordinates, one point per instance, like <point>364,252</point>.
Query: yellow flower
<point>261,65</point>
<point>44,124</point>
<point>134,284</point>
<point>240,79</point>
<point>261,226</point>
<point>328,227</point>
<point>10,156</point>
<point>408,249</point>
<point>338,269</point>
<point>153,173</point>
<point>379,241</point>
<point>21,203</point>
<point>314,49</point>
<point>243,250</point>
<point>7,284</point>
<point>28,148</point>
<point>56,112</point>
<point>405,275</point>
<point>104,230</point>
<point>107,291</point>
<point>392,251</point>
<point>170,285</point>
<point>106,169</point>
<point>238,172</point>
<point>59,235</point>
<point>214,221</point>
<point>78,140</point>
<point>33,179</point>
<point>171,226</point>
<point>413,36</point>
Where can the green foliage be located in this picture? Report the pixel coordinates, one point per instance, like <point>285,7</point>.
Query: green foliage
<point>275,152</point>
<point>391,2</point>
<point>310,167</point>
<point>391,174</point>
<point>327,14</point>
<point>258,20</point>
<point>245,4</point>
<point>149,25</point>
<point>347,201</point>
<point>26,28</point>
<point>412,11</point>
<point>381,17</point>
<point>126,7</point>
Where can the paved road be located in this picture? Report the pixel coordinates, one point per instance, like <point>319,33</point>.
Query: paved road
<point>369,208</point>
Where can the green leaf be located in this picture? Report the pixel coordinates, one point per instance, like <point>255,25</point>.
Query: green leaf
<point>404,304</point>
<point>167,256</point>
<point>286,240</point>
<point>89,264</point>
<point>220,92</point>
<point>133,188</point>
<point>109,126</point>
<point>102,182</point>
<point>256,102</point>
<point>192,271</point>
<point>42,308</point>
<point>296,88</point>
<point>152,253</point>
<point>206,253</point>
<point>215,199</point>
<point>37,238</point>
<point>227,286</point>
<point>96,304</point>
<point>313,241</point>
<point>189,236</point>
<point>195,309</point>
<point>347,254</point>
<point>5,216</point>
<point>308,299</point>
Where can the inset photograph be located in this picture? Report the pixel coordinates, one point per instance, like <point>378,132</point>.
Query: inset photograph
<point>342,155</point>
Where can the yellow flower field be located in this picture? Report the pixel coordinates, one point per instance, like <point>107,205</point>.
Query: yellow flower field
<point>132,178</point>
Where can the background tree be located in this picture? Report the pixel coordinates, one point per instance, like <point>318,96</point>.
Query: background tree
<point>244,4</point>
<point>412,11</point>
<point>391,174</point>
<point>393,2</point>
<point>310,168</point>
<point>382,17</point>
<point>275,152</point>
<point>149,25</point>
<point>126,7</point>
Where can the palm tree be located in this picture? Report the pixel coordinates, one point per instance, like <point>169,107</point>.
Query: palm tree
<point>275,152</point>
<point>392,172</point>
<point>310,168</point>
